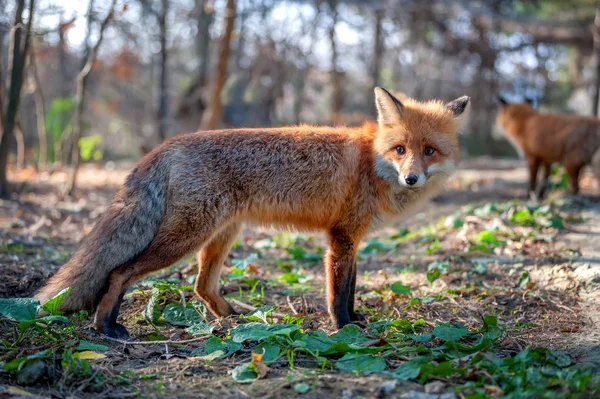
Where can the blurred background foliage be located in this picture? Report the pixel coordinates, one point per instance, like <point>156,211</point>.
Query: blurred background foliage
<point>163,67</point>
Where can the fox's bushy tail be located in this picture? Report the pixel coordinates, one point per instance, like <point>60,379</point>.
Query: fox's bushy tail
<point>121,234</point>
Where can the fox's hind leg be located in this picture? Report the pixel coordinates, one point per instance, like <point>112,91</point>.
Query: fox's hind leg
<point>534,164</point>
<point>541,190</point>
<point>573,170</point>
<point>210,260</point>
<point>169,245</point>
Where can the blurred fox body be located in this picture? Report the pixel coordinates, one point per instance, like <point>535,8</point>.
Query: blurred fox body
<point>195,191</point>
<point>545,138</point>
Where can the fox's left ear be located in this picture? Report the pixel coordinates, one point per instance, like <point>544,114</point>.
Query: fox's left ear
<point>458,106</point>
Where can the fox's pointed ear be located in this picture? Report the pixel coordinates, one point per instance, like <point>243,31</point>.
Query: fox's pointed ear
<point>502,100</point>
<point>459,105</point>
<point>389,108</point>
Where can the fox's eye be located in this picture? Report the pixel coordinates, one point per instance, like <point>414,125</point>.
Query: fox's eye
<point>401,150</point>
<point>429,151</point>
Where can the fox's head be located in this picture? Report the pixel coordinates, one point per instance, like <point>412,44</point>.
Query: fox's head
<point>511,116</point>
<point>417,142</point>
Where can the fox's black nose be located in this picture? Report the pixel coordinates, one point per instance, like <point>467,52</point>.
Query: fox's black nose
<point>411,179</point>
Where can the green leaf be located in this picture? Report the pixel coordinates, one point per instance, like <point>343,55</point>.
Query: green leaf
<point>411,369</point>
<point>152,310</point>
<point>435,269</point>
<point>444,369</point>
<point>178,315</point>
<point>270,352</point>
<point>402,324</point>
<point>480,247</point>
<point>259,314</point>
<point>350,334</point>
<point>259,331</point>
<point>243,264</point>
<point>90,346</point>
<point>480,268</point>
<point>301,387</point>
<point>493,330</point>
<point>200,329</point>
<point>216,349</point>
<point>447,332</point>
<point>18,363</point>
<point>426,337</point>
<point>87,146</point>
<point>400,289</point>
<point>315,341</point>
<point>290,277</point>
<point>361,363</point>
<point>489,237</point>
<point>19,309</point>
<point>433,275</point>
<point>52,305</point>
<point>244,374</point>
<point>522,217</point>
<point>523,279</point>
<point>562,359</point>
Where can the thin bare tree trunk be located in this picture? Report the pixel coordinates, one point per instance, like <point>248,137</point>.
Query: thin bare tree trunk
<point>338,96</point>
<point>82,79</point>
<point>18,132</point>
<point>18,55</point>
<point>2,95</point>
<point>203,40</point>
<point>378,51</point>
<point>40,111</point>
<point>162,111</point>
<point>596,101</point>
<point>212,115</point>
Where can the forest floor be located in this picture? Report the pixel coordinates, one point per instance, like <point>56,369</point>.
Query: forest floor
<point>480,294</point>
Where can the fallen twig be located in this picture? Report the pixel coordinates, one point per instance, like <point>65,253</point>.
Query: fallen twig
<point>291,305</point>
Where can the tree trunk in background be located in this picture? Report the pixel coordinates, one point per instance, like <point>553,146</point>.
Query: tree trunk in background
<point>2,96</point>
<point>62,57</point>
<point>20,139</point>
<point>336,79</point>
<point>299,84</point>
<point>162,110</point>
<point>378,51</point>
<point>212,115</point>
<point>40,111</point>
<point>205,19</point>
<point>19,46</point>
<point>82,79</point>
<point>596,100</point>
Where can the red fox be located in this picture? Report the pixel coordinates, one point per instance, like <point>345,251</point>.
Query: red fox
<point>195,190</point>
<point>544,138</point>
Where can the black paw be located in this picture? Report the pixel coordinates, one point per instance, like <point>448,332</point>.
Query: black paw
<point>356,316</point>
<point>116,331</point>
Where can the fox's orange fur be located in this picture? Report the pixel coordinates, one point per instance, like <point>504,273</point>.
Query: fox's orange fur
<point>545,138</point>
<point>194,192</point>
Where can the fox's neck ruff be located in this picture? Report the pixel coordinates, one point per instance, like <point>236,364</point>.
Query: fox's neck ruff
<point>398,201</point>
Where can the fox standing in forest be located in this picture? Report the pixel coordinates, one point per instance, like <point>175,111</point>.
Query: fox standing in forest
<point>195,190</point>
<point>544,138</point>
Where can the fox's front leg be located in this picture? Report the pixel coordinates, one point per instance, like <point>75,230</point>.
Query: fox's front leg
<point>354,316</point>
<point>340,263</point>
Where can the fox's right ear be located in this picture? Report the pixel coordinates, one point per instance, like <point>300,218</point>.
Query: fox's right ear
<point>502,100</point>
<point>389,108</point>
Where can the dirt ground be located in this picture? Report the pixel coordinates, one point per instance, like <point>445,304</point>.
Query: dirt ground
<point>558,307</point>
